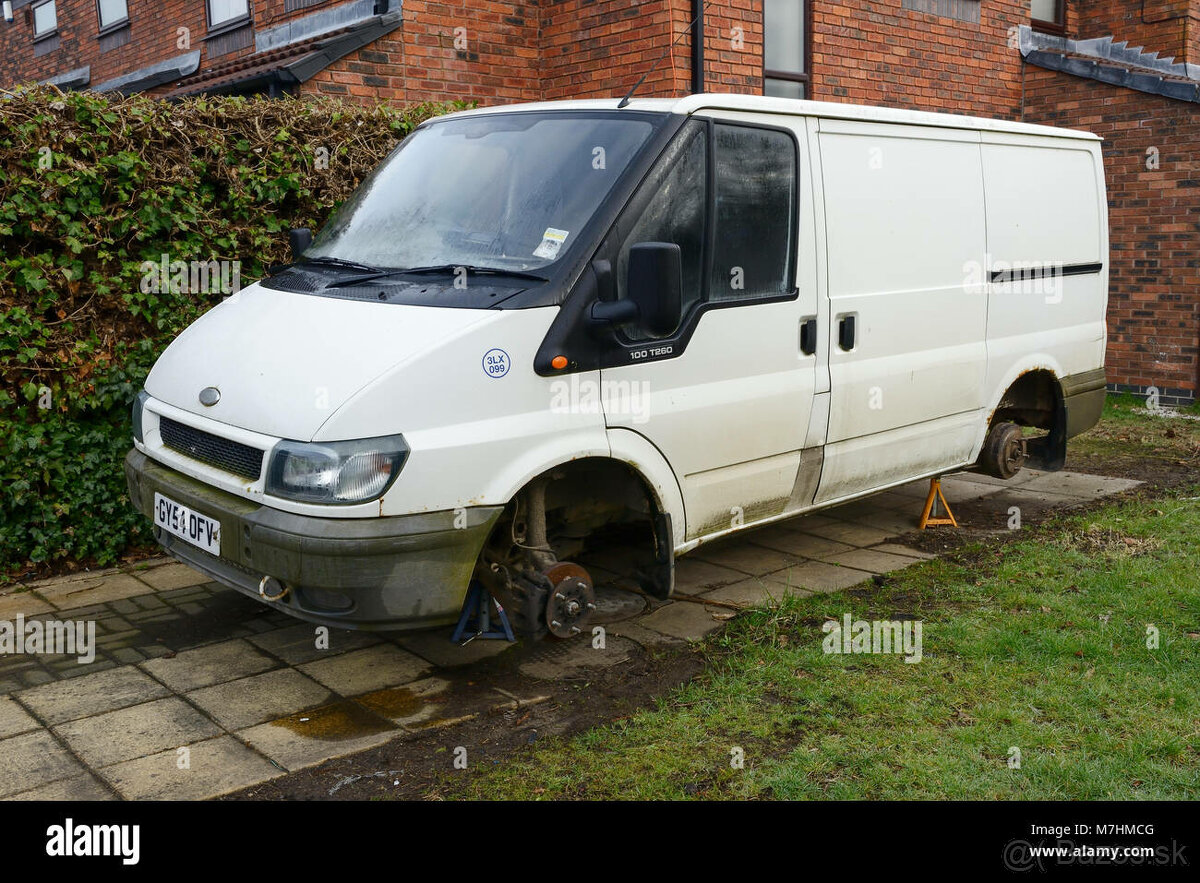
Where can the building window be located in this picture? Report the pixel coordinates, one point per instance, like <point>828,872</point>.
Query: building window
<point>785,48</point>
<point>1048,15</point>
<point>113,12</point>
<point>227,12</point>
<point>45,20</point>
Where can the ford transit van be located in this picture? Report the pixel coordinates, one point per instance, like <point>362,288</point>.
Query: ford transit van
<point>537,329</point>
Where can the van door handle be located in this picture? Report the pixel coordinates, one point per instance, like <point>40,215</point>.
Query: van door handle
<point>846,333</point>
<point>808,336</point>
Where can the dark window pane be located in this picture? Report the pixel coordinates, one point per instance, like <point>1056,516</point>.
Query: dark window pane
<point>675,214</point>
<point>756,173</point>
<point>783,35</point>
<point>783,88</point>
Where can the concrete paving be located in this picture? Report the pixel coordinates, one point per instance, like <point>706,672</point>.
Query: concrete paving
<point>157,717</point>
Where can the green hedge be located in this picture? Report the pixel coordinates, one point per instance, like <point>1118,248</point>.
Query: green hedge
<point>90,188</point>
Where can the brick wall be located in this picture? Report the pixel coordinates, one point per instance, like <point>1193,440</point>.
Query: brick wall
<point>1154,223</point>
<point>493,59</point>
<point>514,51</point>
<point>154,35</point>
<point>878,52</point>
<point>1168,27</point>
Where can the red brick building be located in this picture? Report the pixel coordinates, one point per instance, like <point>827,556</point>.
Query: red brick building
<point>1128,70</point>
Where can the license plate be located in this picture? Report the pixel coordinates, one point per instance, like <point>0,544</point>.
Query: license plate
<point>187,524</point>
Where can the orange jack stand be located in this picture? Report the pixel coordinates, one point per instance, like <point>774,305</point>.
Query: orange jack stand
<point>928,515</point>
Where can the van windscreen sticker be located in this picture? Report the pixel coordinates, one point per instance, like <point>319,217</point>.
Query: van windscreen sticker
<point>552,241</point>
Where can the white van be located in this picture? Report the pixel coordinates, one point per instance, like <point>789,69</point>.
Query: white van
<point>541,328</point>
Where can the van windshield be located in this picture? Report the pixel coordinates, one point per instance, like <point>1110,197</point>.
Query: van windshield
<point>508,191</point>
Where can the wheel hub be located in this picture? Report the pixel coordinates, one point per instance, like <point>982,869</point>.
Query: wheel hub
<point>571,600</point>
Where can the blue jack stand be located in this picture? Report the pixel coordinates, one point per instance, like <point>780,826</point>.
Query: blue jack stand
<point>477,617</point>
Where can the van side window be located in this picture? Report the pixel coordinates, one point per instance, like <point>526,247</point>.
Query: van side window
<point>755,207</point>
<point>676,213</point>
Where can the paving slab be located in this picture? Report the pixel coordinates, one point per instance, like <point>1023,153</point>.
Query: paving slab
<point>1026,499</point>
<point>641,635</point>
<point>894,501</point>
<point>296,644</point>
<point>853,534</point>
<point>693,575</point>
<point>174,575</point>
<point>872,560</point>
<point>213,767</point>
<point>893,521</point>
<point>137,731</point>
<point>1078,484</point>
<point>568,659</point>
<point>213,664</point>
<point>683,619</point>
<point>737,554</point>
<point>32,760</point>
<point>436,647</point>
<point>805,522</point>
<point>92,694</point>
<point>314,736</point>
<point>236,705</point>
<point>361,671</point>
<point>79,591</point>
<point>750,592</point>
<point>961,490</point>
<point>853,510</point>
<point>1020,478</point>
<point>819,577</point>
<point>899,549</point>
<point>75,789</point>
<point>795,543</point>
<point>14,719</point>
<point>21,600</point>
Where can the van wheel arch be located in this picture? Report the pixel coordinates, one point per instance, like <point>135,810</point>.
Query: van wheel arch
<point>583,509</point>
<point>1035,399</point>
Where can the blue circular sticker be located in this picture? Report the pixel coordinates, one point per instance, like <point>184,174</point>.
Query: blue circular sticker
<point>495,363</point>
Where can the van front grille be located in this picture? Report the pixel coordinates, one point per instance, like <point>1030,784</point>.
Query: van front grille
<point>220,452</point>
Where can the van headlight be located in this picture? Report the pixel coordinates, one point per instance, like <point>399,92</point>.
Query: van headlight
<point>335,472</point>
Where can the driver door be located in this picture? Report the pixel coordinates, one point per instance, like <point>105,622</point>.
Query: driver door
<point>726,395</point>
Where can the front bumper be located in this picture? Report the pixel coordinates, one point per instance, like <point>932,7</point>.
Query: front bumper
<point>396,572</point>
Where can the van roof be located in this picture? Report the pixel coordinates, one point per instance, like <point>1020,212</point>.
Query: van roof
<point>792,107</point>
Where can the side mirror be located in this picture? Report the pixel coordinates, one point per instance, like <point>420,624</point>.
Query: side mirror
<point>655,284</point>
<point>300,238</point>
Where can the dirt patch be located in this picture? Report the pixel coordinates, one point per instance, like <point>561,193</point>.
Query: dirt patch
<point>472,712</point>
<point>1106,541</point>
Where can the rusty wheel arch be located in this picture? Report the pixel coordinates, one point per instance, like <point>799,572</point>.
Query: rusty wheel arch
<point>1035,399</point>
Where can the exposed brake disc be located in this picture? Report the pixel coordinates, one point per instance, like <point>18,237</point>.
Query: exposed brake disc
<point>571,600</point>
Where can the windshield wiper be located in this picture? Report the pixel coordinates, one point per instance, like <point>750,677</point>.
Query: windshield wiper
<point>470,268</point>
<point>338,262</point>
<point>439,268</point>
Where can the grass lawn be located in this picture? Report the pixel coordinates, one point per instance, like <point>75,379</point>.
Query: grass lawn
<point>1037,641</point>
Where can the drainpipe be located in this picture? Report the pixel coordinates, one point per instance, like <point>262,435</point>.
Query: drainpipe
<point>698,46</point>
